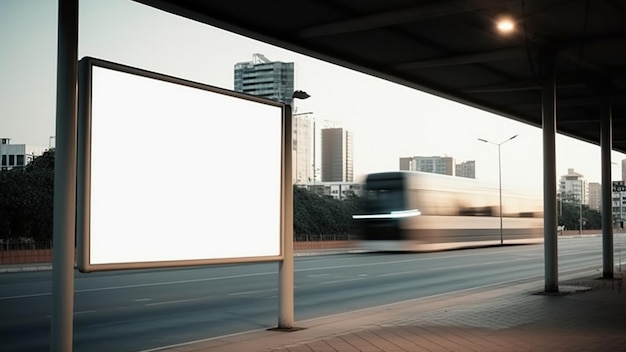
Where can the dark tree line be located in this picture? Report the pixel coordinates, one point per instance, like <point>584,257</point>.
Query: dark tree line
<point>316,217</point>
<point>570,215</point>
<point>26,203</point>
<point>26,200</point>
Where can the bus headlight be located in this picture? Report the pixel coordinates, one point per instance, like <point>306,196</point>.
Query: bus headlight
<point>393,215</point>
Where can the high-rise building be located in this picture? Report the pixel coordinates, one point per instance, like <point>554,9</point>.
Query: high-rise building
<point>405,164</point>
<point>624,170</point>
<point>466,169</point>
<point>275,80</point>
<point>302,154</point>
<point>264,78</point>
<point>595,196</point>
<point>573,188</point>
<point>434,164</point>
<point>337,163</point>
<point>619,204</point>
<point>13,156</point>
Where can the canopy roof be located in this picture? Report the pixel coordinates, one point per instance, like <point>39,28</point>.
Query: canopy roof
<point>450,48</point>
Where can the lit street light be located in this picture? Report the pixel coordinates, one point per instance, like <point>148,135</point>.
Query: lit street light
<point>499,178</point>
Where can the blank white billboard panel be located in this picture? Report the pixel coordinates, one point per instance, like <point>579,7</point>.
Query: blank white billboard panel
<point>175,173</point>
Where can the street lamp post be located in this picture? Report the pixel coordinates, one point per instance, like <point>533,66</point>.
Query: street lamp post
<point>499,179</point>
<point>286,266</point>
<point>300,94</point>
<point>580,208</point>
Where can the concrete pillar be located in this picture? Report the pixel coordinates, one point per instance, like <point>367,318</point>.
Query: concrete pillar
<point>550,215</point>
<point>64,212</point>
<point>606,145</point>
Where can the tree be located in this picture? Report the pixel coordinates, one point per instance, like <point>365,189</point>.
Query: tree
<point>26,200</point>
<point>316,216</point>
<point>571,215</point>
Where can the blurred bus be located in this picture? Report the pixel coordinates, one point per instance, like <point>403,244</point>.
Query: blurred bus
<point>417,211</point>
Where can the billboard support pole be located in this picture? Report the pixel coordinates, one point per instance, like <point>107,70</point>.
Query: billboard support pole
<point>286,266</point>
<point>64,212</point>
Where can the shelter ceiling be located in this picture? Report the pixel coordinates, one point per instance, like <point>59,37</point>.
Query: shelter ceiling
<point>450,48</point>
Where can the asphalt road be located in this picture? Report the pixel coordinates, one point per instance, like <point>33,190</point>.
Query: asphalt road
<point>138,310</point>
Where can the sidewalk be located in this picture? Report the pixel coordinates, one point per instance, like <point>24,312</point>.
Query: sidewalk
<point>588,314</point>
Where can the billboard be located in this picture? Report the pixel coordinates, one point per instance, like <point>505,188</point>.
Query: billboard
<point>175,173</point>
<point>619,186</point>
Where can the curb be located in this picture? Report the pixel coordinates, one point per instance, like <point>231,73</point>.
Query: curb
<point>25,268</point>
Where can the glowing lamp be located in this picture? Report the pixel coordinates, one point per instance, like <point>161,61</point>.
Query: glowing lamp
<point>505,23</point>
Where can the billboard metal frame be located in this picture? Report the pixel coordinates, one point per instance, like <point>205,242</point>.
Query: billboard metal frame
<point>84,163</point>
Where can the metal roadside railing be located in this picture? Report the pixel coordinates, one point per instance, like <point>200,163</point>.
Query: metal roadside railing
<point>324,242</point>
<point>25,252</point>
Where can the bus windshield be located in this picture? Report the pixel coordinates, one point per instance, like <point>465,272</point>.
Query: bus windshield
<point>384,196</point>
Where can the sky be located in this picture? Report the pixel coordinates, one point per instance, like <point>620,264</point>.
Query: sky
<point>388,121</point>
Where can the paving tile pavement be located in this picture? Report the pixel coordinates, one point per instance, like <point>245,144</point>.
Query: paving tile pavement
<point>588,315</point>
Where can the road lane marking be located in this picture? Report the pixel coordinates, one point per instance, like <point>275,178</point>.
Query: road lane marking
<point>84,312</point>
<point>76,313</point>
<point>252,292</point>
<point>400,273</point>
<point>26,296</point>
<point>224,278</point>
<point>243,276</point>
<point>445,258</point>
<point>176,301</point>
<point>165,283</point>
<point>344,280</point>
